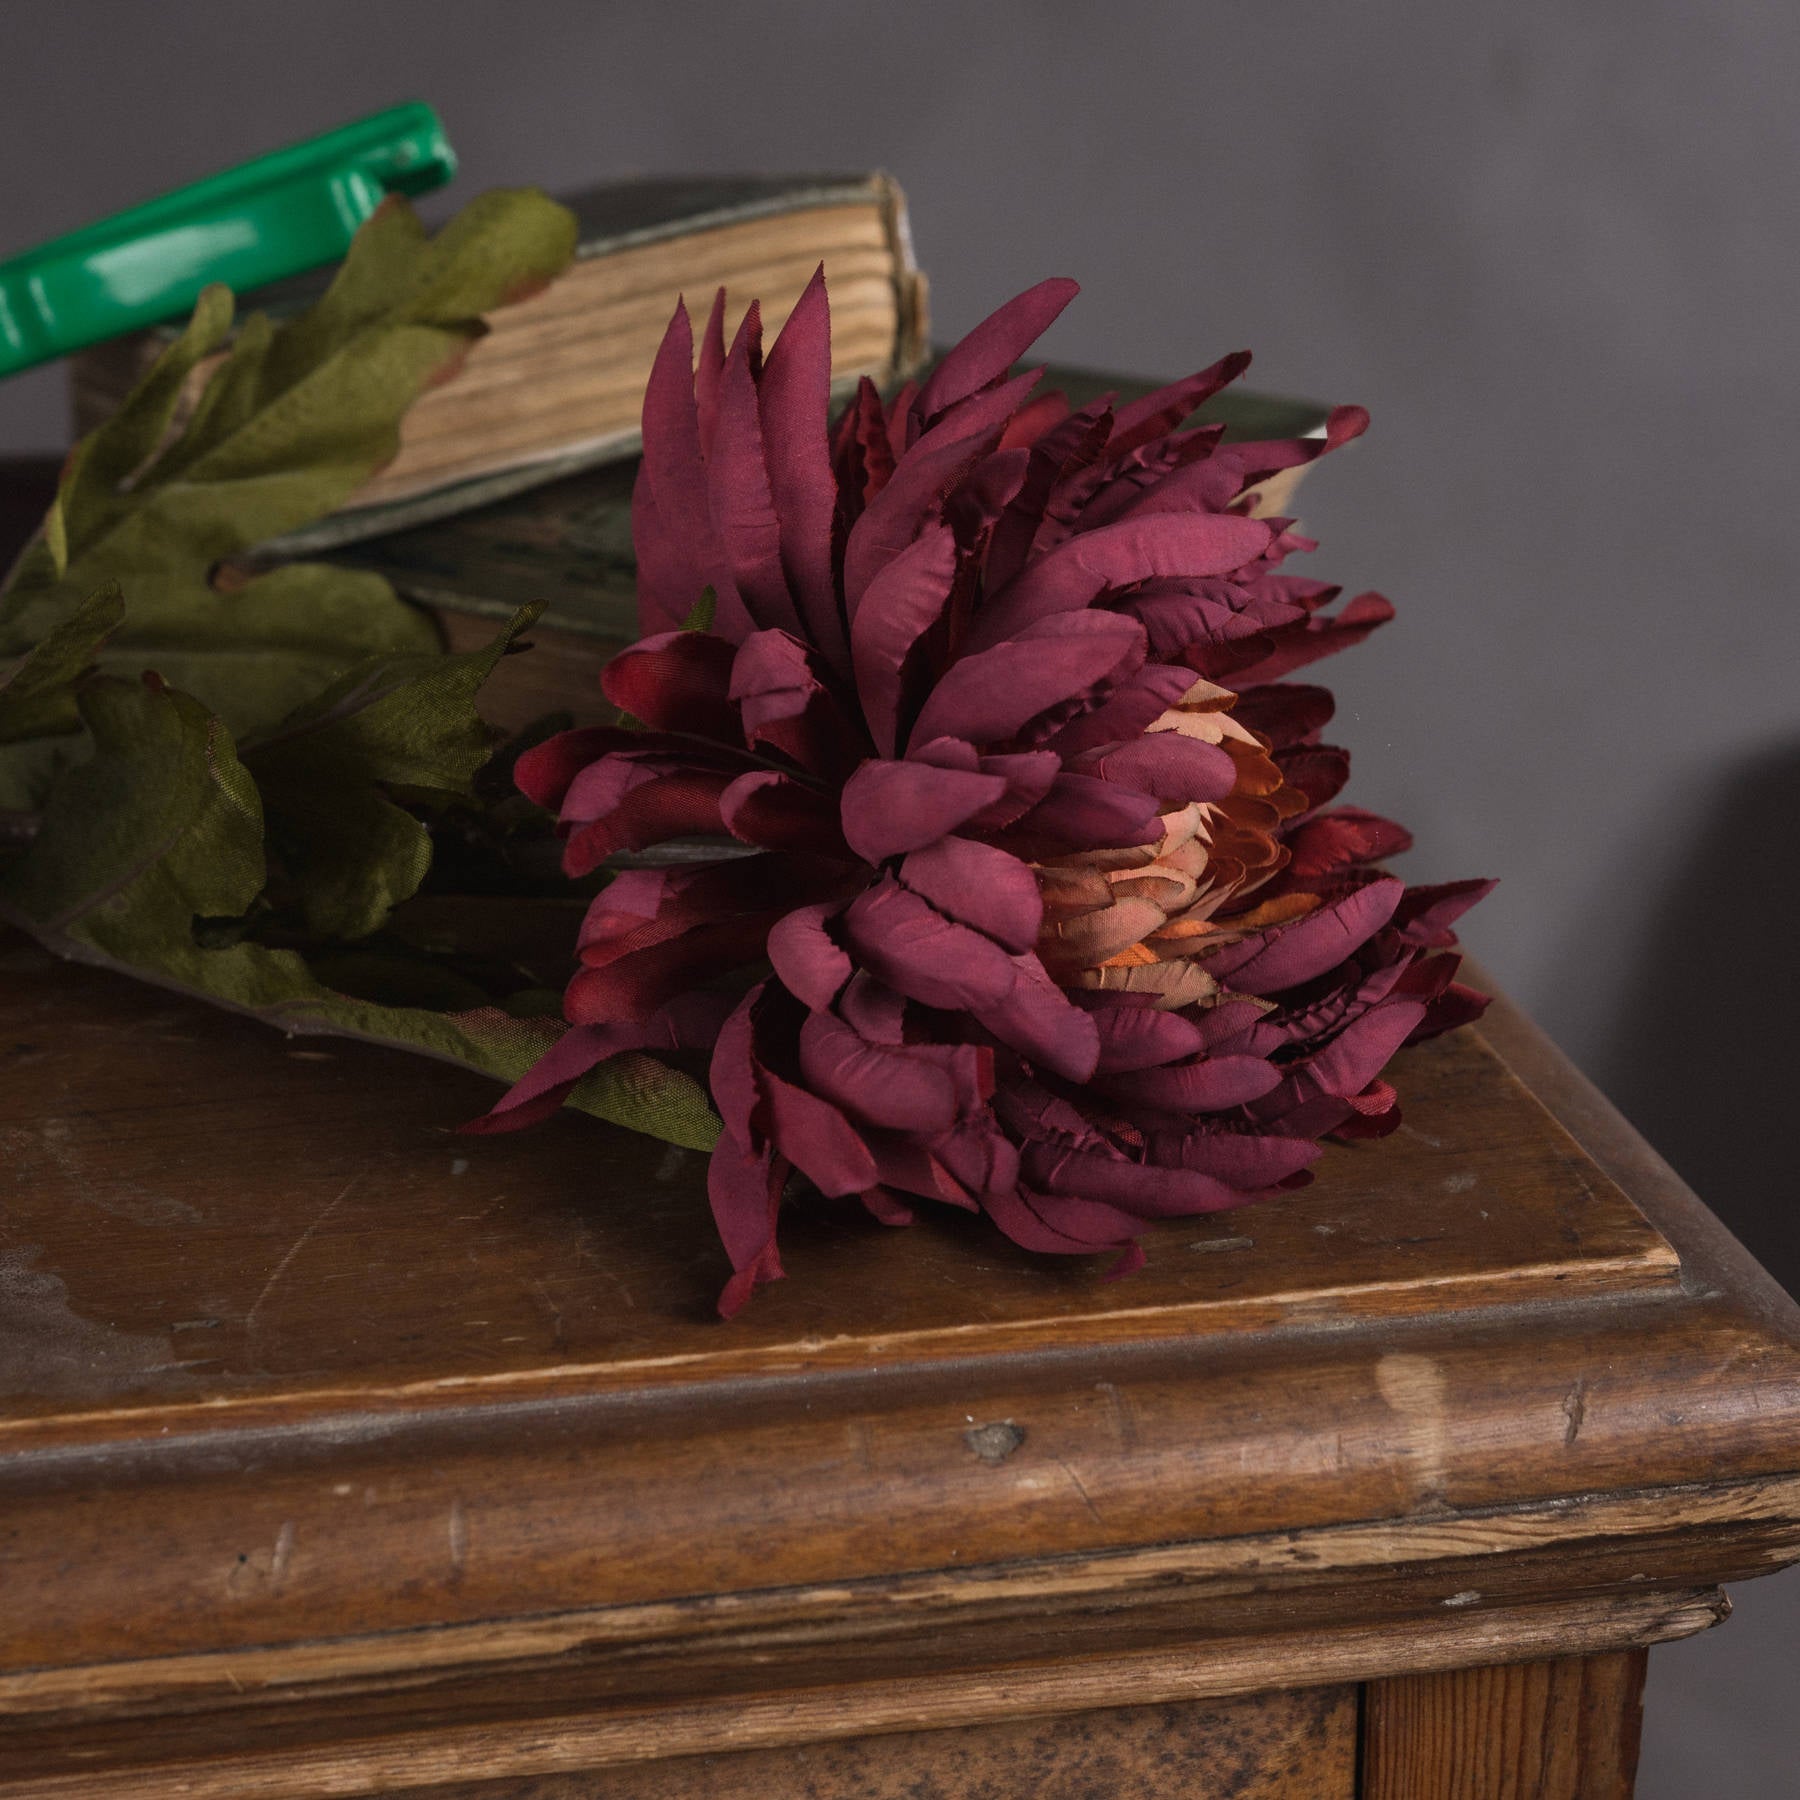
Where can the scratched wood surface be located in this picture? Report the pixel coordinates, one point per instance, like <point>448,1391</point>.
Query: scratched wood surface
<point>225,1219</point>
<point>349,1456</point>
<point>1290,1746</point>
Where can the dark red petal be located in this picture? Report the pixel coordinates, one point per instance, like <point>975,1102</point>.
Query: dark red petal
<point>1128,711</point>
<point>544,772</point>
<point>542,1089</point>
<point>1036,1018</point>
<point>1346,1066</point>
<point>1285,713</point>
<point>1059,1224</point>
<point>1238,1159</point>
<point>1319,771</point>
<point>651,811</point>
<point>815,1137</point>
<point>1142,421</point>
<point>787,704</point>
<point>1293,646</point>
<point>707,369</point>
<point>1425,915</point>
<point>1457,1005</point>
<point>675,681</point>
<point>1334,841</point>
<point>681,544</point>
<point>1029,776</point>
<point>776,812</point>
<point>1261,457</point>
<point>1140,1037</point>
<point>1084,812</point>
<point>1137,1188</point>
<point>919,1089</point>
<point>992,348</point>
<point>1074,446</point>
<point>635,985</point>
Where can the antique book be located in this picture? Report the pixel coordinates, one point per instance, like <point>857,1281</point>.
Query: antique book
<point>558,383</point>
<point>568,543</point>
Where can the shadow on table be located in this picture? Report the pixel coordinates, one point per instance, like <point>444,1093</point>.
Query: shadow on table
<point>1705,1056</point>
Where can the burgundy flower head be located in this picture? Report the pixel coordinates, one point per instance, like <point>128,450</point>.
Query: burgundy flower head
<point>1005,808</point>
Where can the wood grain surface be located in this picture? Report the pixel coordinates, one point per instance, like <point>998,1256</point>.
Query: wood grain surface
<point>1560,1730</point>
<point>339,1455</point>
<point>270,1228</point>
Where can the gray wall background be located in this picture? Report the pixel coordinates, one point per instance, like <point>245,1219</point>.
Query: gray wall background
<point>1552,247</point>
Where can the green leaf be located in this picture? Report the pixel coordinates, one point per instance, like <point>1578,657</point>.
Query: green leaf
<point>158,836</point>
<point>705,610</point>
<point>139,838</point>
<point>392,722</point>
<point>292,421</point>
<point>35,695</point>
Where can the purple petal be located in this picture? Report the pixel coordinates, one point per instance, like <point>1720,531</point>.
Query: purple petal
<point>990,697</point>
<point>1083,812</point>
<point>1143,421</point>
<point>1213,1084</point>
<point>1168,765</point>
<point>1141,1037</point>
<point>902,603</point>
<point>1236,1158</point>
<point>675,473</point>
<point>1295,953</point>
<point>915,950</point>
<point>994,346</point>
<point>1133,1187</point>
<point>808,960</point>
<point>921,479</point>
<point>743,507</point>
<point>979,886</point>
<point>795,393</point>
<point>1036,1018</point>
<point>919,1089</point>
<point>1079,571</point>
<point>890,808</point>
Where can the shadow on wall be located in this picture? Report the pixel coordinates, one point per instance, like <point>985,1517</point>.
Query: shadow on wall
<point>1705,1056</point>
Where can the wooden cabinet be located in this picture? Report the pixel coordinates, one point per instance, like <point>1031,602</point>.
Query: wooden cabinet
<point>340,1455</point>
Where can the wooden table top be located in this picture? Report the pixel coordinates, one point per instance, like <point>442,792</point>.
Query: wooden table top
<point>307,1405</point>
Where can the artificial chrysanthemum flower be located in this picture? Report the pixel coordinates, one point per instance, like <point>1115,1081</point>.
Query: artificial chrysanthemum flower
<point>1026,895</point>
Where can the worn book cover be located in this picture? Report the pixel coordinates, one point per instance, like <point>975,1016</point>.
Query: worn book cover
<point>557,384</point>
